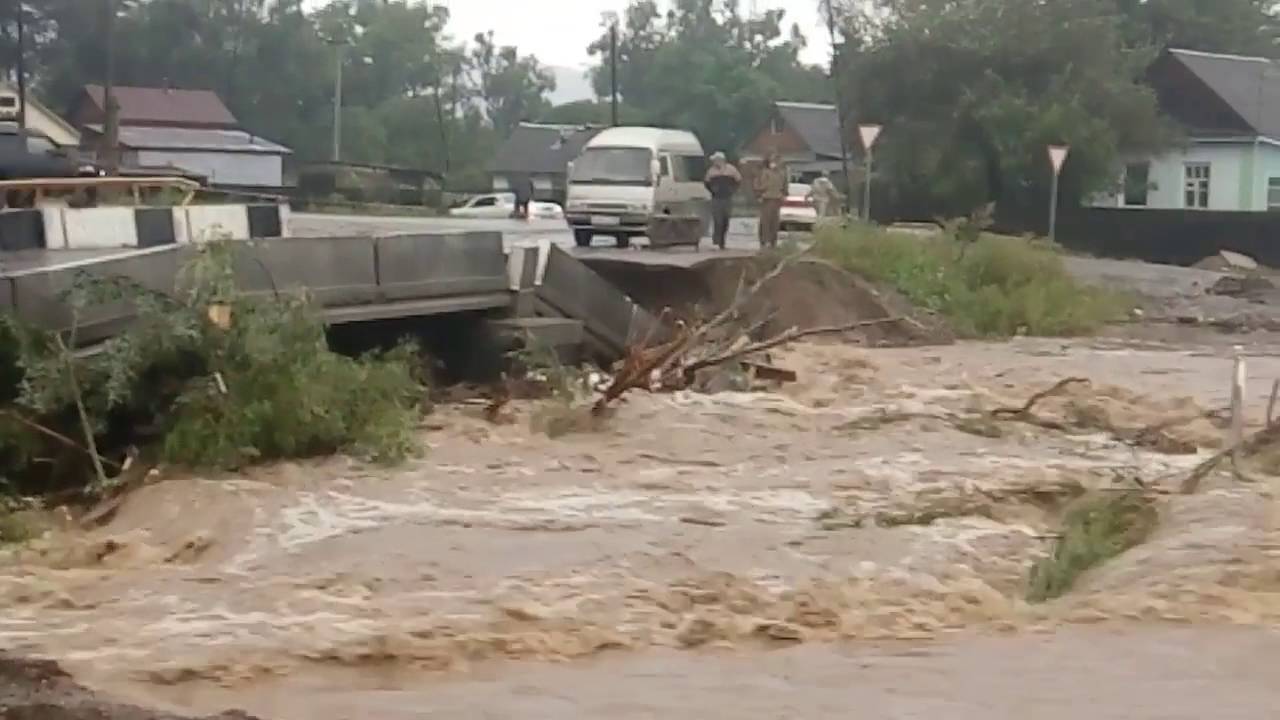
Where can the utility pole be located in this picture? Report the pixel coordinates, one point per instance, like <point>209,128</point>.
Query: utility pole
<point>109,153</point>
<point>337,103</point>
<point>613,72</point>
<point>841,120</point>
<point>22,69</point>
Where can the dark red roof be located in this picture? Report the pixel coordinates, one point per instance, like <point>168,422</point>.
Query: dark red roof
<point>164,106</point>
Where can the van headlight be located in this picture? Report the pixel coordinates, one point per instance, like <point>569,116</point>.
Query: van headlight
<point>639,208</point>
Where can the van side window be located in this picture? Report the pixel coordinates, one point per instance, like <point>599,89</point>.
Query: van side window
<point>664,166</point>
<point>695,168</point>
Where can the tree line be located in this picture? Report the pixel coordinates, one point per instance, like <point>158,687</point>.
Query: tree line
<point>970,91</point>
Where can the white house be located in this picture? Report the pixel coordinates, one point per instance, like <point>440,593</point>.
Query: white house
<point>1229,106</point>
<point>39,118</point>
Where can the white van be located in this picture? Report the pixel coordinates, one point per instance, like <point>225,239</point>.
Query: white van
<point>627,175</point>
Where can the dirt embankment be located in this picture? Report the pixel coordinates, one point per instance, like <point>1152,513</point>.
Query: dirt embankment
<point>41,690</point>
<point>809,294</point>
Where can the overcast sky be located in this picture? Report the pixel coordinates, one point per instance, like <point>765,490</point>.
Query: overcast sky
<point>558,31</point>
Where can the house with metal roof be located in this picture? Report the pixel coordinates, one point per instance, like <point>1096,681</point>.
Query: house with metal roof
<point>184,132</point>
<point>1229,108</point>
<point>543,153</point>
<point>805,135</point>
<point>39,118</point>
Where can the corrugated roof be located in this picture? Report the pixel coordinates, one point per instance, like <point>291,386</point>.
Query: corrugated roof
<point>818,125</point>
<point>211,140</point>
<point>1250,85</point>
<point>541,149</point>
<point>168,106</point>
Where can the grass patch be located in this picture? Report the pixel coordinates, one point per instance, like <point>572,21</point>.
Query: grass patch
<point>996,286</point>
<point>1095,529</point>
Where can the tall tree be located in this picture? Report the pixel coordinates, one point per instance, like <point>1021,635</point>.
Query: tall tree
<point>513,87</point>
<point>703,65</point>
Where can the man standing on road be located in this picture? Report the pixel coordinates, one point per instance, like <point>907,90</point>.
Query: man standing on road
<point>822,193</point>
<point>523,189</point>
<point>771,190</point>
<point>722,180</point>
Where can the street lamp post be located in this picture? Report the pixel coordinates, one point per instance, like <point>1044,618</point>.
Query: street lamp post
<point>868,133</point>
<point>1057,157</point>
<point>22,67</point>
<point>337,102</point>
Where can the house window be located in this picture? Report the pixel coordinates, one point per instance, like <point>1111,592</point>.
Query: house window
<point>1196,189</point>
<point>1273,193</point>
<point>1137,181</point>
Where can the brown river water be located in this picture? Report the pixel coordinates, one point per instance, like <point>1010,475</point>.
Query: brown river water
<point>846,543</point>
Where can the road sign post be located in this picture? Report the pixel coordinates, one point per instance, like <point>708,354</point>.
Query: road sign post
<point>1057,157</point>
<point>868,133</point>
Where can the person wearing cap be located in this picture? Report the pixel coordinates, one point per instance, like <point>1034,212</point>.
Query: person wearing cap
<point>722,180</point>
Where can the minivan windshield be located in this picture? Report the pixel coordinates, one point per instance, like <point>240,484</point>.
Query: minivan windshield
<point>613,166</point>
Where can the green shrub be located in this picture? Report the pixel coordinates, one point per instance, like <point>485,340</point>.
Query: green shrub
<point>996,286</point>
<point>1096,528</point>
<point>221,392</point>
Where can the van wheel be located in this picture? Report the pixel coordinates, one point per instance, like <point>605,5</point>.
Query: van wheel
<point>624,240</point>
<point>582,238</point>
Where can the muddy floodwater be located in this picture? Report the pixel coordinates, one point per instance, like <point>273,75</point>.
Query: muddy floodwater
<point>856,542</point>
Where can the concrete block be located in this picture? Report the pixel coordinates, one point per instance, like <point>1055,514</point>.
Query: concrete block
<point>265,221</point>
<point>210,222</point>
<point>55,230</point>
<point>99,228</point>
<point>522,268</point>
<point>334,271</point>
<point>21,230</point>
<point>577,292</point>
<point>38,295</point>
<point>553,332</point>
<point>181,227</point>
<point>421,266</point>
<point>155,226</point>
<point>6,295</point>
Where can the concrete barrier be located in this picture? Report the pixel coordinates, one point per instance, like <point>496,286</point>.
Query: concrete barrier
<point>99,228</point>
<point>38,296</point>
<point>21,230</point>
<point>211,222</point>
<point>334,271</point>
<point>422,266</point>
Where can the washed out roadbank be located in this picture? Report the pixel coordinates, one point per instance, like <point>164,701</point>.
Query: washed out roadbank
<point>862,536</point>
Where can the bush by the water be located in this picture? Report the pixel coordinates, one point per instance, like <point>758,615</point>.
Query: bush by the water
<point>996,286</point>
<point>1095,529</point>
<point>205,377</point>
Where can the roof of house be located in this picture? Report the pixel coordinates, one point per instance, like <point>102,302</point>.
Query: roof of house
<point>166,106</point>
<point>199,139</point>
<point>541,149</point>
<point>818,125</point>
<point>1249,85</point>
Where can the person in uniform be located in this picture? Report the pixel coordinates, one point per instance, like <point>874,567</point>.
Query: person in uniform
<point>771,190</point>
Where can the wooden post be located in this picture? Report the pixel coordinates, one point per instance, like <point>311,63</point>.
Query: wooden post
<point>1238,375</point>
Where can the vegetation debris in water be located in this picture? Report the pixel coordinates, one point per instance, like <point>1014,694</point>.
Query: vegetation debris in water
<point>1095,529</point>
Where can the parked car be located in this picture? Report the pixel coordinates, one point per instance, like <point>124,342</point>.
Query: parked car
<point>798,211</point>
<point>503,205</point>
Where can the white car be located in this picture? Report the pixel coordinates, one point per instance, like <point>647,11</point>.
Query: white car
<point>503,205</point>
<point>798,212</point>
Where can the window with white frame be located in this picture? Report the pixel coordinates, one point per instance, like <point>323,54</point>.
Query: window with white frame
<point>1273,193</point>
<point>1196,188</point>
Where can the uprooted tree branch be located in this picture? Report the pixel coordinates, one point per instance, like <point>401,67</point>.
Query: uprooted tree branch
<point>724,339</point>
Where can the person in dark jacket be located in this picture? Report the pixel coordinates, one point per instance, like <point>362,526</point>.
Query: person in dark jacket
<point>522,186</point>
<point>723,180</point>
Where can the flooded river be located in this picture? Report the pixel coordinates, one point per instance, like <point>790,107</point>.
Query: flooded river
<point>853,542</point>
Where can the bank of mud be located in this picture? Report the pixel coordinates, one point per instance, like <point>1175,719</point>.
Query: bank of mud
<point>860,504</point>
